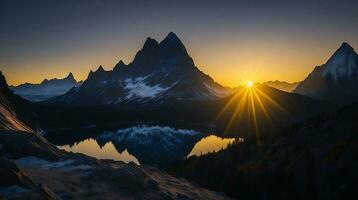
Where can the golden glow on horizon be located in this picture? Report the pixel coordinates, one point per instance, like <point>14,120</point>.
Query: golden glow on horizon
<point>227,61</point>
<point>251,100</point>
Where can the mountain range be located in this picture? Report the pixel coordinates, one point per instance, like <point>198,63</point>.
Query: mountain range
<point>162,85</point>
<point>314,159</point>
<point>335,81</point>
<point>282,85</point>
<point>33,168</point>
<point>46,89</point>
<point>161,72</point>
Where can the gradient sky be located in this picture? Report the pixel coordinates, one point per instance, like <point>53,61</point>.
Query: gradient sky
<point>232,41</point>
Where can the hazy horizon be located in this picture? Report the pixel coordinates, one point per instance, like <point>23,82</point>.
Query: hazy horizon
<point>232,42</point>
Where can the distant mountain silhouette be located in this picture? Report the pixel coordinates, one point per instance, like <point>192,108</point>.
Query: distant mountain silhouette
<point>46,89</point>
<point>282,85</point>
<point>336,81</point>
<point>231,115</point>
<point>160,73</point>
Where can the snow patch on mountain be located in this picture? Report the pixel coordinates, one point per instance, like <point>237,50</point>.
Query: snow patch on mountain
<point>138,88</point>
<point>343,63</point>
<point>151,130</point>
<point>46,89</point>
<point>142,133</point>
<point>147,142</point>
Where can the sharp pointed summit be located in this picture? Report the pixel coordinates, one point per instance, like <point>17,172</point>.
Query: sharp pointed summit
<point>171,37</point>
<point>158,72</point>
<point>345,45</point>
<point>70,76</point>
<point>344,50</point>
<point>100,69</point>
<point>150,44</point>
<point>336,80</point>
<point>172,43</point>
<point>120,63</point>
<point>342,64</point>
<point>119,66</point>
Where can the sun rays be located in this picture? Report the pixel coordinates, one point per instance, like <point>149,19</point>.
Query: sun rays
<point>252,105</point>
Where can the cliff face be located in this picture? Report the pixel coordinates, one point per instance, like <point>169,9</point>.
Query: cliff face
<point>15,113</point>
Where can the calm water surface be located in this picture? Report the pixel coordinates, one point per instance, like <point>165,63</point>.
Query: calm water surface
<point>90,147</point>
<point>148,145</point>
<point>210,144</point>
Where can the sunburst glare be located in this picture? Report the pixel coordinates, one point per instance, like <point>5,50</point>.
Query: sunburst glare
<point>251,108</point>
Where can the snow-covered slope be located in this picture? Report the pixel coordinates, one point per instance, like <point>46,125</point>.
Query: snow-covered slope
<point>46,89</point>
<point>342,65</point>
<point>336,81</point>
<point>160,72</point>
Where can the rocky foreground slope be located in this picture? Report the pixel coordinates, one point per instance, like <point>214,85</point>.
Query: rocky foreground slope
<point>32,168</point>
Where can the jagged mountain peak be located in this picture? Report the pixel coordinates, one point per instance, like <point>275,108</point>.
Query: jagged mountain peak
<point>100,69</point>
<point>344,50</point>
<point>172,37</point>
<point>158,72</point>
<point>345,45</point>
<point>98,74</point>
<point>70,76</point>
<point>119,65</point>
<point>343,63</point>
<point>172,41</point>
<point>46,89</point>
<point>335,81</point>
<point>150,43</point>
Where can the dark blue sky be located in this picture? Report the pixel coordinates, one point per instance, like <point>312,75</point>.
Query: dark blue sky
<point>230,40</point>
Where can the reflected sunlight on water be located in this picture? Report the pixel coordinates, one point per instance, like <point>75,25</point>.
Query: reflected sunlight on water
<point>91,148</point>
<point>209,144</point>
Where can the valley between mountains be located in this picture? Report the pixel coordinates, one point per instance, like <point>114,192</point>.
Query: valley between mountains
<point>163,129</point>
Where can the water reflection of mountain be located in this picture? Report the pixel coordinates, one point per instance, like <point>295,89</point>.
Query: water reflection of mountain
<point>151,145</point>
<point>91,147</point>
<point>156,146</point>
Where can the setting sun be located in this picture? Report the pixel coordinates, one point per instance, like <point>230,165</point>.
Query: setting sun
<point>193,100</point>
